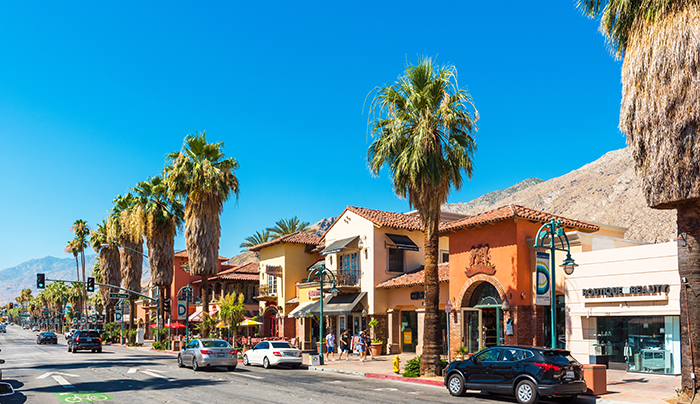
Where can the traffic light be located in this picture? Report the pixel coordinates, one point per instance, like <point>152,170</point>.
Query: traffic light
<point>166,305</point>
<point>91,284</point>
<point>32,307</point>
<point>12,305</point>
<point>40,278</point>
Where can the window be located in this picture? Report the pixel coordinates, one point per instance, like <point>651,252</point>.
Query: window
<point>515,354</point>
<point>395,260</point>
<point>272,283</point>
<point>444,256</point>
<point>488,355</point>
<point>348,269</point>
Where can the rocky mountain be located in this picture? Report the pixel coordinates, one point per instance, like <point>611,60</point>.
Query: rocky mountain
<point>605,191</point>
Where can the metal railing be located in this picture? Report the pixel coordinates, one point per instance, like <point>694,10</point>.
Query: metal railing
<point>267,290</point>
<point>347,277</point>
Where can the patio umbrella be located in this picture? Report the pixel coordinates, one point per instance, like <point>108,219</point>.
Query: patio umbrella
<point>154,325</point>
<point>177,325</point>
<point>222,324</point>
<point>248,322</point>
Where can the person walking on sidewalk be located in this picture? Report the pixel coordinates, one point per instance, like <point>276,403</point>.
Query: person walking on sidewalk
<point>330,345</point>
<point>345,345</point>
<point>361,346</point>
<point>368,344</point>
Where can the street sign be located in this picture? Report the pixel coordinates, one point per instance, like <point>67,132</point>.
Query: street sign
<point>25,315</point>
<point>45,312</point>
<point>118,295</point>
<point>448,307</point>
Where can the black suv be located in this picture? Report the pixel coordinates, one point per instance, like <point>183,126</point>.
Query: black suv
<point>85,341</point>
<point>524,372</point>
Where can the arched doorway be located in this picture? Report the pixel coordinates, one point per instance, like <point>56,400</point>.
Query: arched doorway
<point>270,323</point>
<point>482,324</point>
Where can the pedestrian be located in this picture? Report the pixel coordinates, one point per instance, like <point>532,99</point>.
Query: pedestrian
<point>368,344</point>
<point>330,345</point>
<point>361,346</point>
<point>345,345</point>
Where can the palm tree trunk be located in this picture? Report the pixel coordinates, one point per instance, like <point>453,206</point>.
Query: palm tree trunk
<point>689,269</point>
<point>84,286</point>
<point>432,340</point>
<point>77,277</point>
<point>205,304</point>
<point>161,309</point>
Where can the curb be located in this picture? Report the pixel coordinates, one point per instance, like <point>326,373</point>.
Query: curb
<point>346,372</point>
<point>405,379</point>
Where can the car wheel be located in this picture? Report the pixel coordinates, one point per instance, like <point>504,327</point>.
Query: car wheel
<point>526,392</point>
<point>99,350</point>
<point>266,363</point>
<point>455,385</point>
<point>68,348</point>
<point>75,349</point>
<point>195,366</point>
<point>245,360</point>
<point>179,362</point>
<point>231,368</point>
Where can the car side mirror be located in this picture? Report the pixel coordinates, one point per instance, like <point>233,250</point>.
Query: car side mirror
<point>2,361</point>
<point>6,389</point>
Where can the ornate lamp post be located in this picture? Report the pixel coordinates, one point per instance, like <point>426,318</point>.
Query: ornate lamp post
<point>322,273</point>
<point>549,231</point>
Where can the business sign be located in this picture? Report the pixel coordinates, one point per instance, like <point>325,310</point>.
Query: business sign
<point>313,294</point>
<point>542,280</point>
<point>273,270</point>
<point>181,309</point>
<point>625,290</point>
<point>118,295</point>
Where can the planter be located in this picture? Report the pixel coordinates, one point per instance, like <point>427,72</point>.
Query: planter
<point>318,348</point>
<point>376,348</point>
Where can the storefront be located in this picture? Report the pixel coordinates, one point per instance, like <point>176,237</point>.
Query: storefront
<point>623,308</point>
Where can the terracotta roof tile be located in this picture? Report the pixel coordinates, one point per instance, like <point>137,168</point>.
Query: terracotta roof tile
<point>294,238</point>
<point>511,212</point>
<point>389,219</point>
<point>416,278</point>
<point>183,254</point>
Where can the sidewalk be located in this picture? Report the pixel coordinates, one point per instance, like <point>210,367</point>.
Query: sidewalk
<point>623,387</point>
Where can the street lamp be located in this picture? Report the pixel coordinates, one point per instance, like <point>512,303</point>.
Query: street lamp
<point>322,273</point>
<point>549,231</point>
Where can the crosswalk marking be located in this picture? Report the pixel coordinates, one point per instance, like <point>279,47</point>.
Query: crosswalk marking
<point>63,382</point>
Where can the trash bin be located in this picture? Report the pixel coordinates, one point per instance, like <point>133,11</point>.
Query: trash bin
<point>140,335</point>
<point>596,379</point>
<point>314,360</point>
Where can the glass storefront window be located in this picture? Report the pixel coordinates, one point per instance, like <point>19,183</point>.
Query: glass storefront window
<point>642,344</point>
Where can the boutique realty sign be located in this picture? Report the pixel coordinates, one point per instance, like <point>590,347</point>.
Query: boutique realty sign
<point>625,290</point>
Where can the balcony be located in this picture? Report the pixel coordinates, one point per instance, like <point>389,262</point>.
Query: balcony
<point>266,294</point>
<point>347,278</point>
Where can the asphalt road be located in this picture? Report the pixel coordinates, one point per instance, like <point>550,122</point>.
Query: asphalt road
<point>49,374</point>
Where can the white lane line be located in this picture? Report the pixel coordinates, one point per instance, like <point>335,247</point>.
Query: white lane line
<point>63,382</point>
<point>132,370</point>
<point>245,375</point>
<point>156,375</point>
<point>47,374</point>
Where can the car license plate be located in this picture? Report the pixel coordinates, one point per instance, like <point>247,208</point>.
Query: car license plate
<point>221,355</point>
<point>88,339</point>
<point>570,374</point>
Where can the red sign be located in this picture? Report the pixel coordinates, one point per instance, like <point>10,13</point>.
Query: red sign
<point>313,294</point>
<point>273,270</point>
<point>480,261</point>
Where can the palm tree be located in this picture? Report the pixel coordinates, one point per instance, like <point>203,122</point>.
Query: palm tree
<point>232,311</point>
<point>658,42</point>
<point>58,293</point>
<point>75,297</point>
<point>124,219</point>
<point>255,239</point>
<point>82,231</point>
<point>161,216</point>
<point>72,248</point>
<point>105,246</point>
<point>288,226</point>
<point>200,174</point>
<point>423,134</point>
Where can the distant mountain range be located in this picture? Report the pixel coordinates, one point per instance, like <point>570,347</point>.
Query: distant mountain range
<point>605,191</point>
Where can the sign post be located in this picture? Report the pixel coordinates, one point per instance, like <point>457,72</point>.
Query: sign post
<point>448,310</point>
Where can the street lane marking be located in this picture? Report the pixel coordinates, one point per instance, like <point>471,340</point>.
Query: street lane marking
<point>47,374</point>
<point>156,375</point>
<point>386,389</point>
<point>245,375</point>
<point>63,382</point>
<point>132,370</point>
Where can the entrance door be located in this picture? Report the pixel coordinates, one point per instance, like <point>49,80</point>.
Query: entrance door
<point>471,325</point>
<point>409,331</point>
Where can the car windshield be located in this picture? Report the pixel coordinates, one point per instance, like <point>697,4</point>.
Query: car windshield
<point>47,334</point>
<point>281,345</point>
<point>215,344</point>
<point>89,334</point>
<point>559,357</point>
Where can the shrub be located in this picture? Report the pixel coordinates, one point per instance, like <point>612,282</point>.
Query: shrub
<point>412,368</point>
<point>160,345</point>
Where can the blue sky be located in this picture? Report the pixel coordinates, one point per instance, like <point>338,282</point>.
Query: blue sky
<point>93,96</point>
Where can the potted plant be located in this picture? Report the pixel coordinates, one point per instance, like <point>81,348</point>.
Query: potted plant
<point>461,351</point>
<point>377,344</point>
<point>320,349</point>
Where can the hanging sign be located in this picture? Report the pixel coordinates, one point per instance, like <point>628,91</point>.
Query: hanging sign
<point>542,280</point>
<point>313,294</point>
<point>181,309</point>
<point>275,270</point>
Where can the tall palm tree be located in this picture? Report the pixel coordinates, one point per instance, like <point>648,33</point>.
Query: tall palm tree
<point>127,232</point>
<point>422,128</point>
<point>200,174</point>
<point>232,311</point>
<point>255,239</point>
<point>72,248</point>
<point>81,231</point>
<point>288,226</point>
<point>162,215</point>
<point>659,43</point>
<point>106,247</point>
<point>58,293</point>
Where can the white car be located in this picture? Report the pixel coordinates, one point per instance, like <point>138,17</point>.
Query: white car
<point>68,333</point>
<point>272,353</point>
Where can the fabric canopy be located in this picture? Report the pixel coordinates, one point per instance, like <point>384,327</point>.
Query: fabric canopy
<point>341,305</point>
<point>248,322</point>
<point>402,242</point>
<point>197,315</point>
<point>302,310</point>
<point>338,246</point>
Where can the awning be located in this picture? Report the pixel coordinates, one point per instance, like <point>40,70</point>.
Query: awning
<point>303,309</point>
<point>338,246</point>
<point>197,315</point>
<point>402,242</point>
<point>341,305</point>
<point>315,265</point>
<point>293,301</point>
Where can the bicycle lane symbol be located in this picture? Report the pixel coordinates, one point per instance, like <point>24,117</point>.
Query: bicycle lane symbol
<point>82,397</point>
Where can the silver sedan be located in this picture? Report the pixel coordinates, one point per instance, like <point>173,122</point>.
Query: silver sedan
<point>208,352</point>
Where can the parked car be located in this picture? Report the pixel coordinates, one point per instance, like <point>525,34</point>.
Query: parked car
<point>524,372</point>
<point>208,352</point>
<point>36,329</point>
<point>26,327</point>
<point>68,333</point>
<point>46,338</point>
<point>3,328</point>
<point>83,340</point>
<point>272,353</point>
